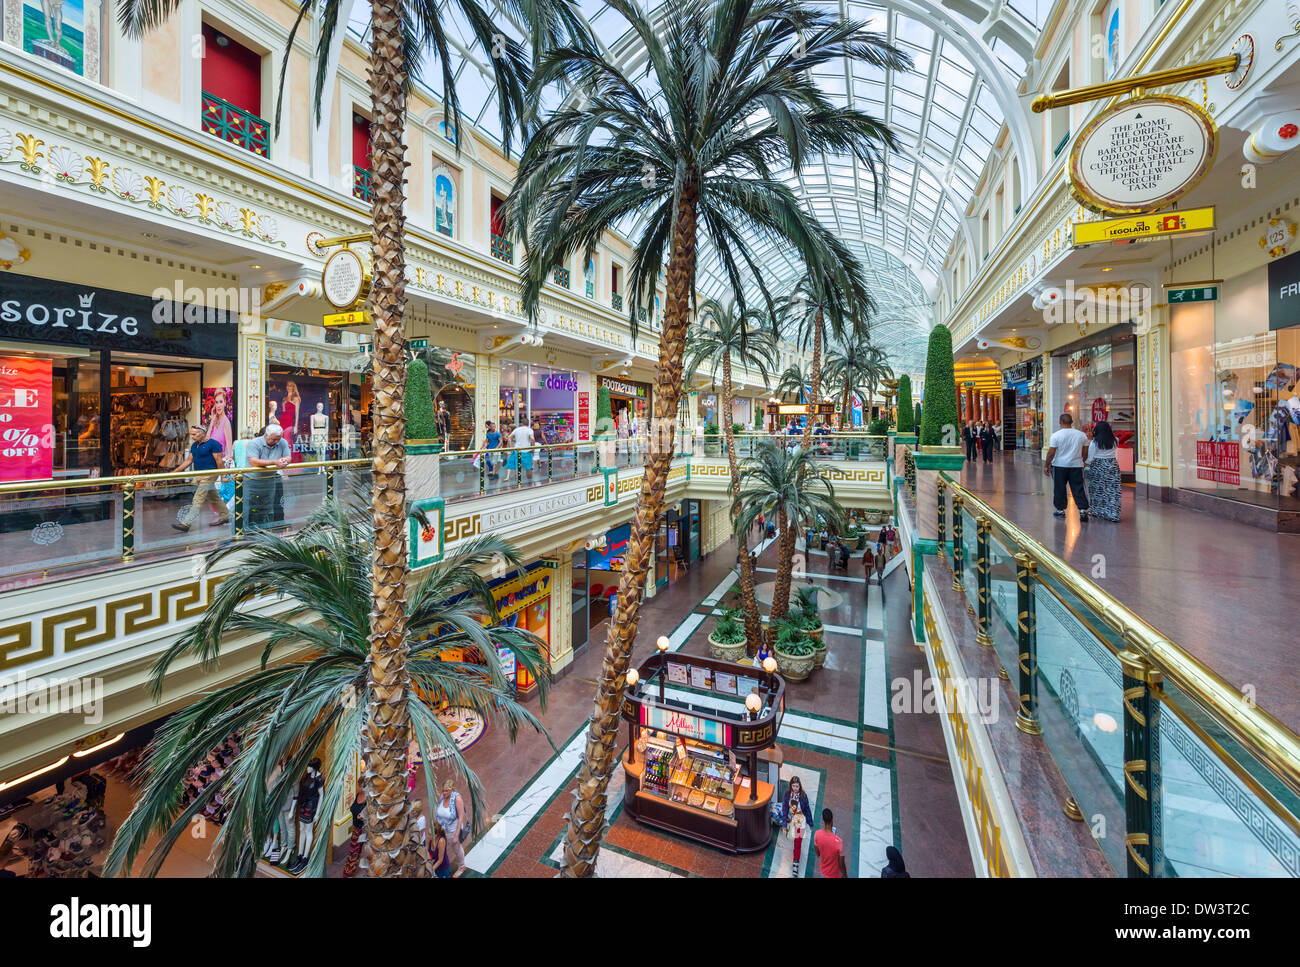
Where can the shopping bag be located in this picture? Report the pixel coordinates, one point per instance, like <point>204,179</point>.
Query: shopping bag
<point>474,462</point>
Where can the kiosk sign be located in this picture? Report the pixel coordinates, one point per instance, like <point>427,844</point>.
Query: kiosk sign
<point>1142,155</point>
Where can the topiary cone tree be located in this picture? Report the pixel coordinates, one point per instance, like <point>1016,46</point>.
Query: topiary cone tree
<point>420,422</point>
<point>939,424</point>
<point>904,405</point>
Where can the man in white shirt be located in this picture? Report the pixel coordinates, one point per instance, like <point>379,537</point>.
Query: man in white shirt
<point>523,439</point>
<point>1067,453</point>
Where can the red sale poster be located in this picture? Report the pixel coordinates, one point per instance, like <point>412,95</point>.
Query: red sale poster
<point>26,434</point>
<point>584,416</point>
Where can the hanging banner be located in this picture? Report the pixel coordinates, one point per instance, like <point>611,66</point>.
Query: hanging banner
<point>584,417</point>
<point>26,428</point>
<point>1142,155</point>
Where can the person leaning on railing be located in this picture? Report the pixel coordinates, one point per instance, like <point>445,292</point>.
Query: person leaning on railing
<point>265,490</point>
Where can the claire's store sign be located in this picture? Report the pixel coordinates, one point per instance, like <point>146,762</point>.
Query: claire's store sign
<point>560,381</point>
<point>42,310</point>
<point>26,427</point>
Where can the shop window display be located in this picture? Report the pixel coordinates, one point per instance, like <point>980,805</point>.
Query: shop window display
<point>308,405</point>
<point>1099,382</point>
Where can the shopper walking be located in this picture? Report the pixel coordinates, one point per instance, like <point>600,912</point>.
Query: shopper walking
<point>1103,474</point>
<point>1067,451</point>
<point>492,441</point>
<point>986,442</point>
<point>265,489</point>
<point>971,437</point>
<point>438,853</point>
<point>204,454</point>
<point>796,815</point>
<point>451,816</point>
<point>357,844</point>
<point>828,848</point>
<point>897,869</point>
<point>524,440</point>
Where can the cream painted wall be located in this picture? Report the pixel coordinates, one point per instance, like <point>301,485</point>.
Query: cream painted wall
<point>160,55</point>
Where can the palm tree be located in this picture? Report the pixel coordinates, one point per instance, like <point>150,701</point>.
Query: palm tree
<point>784,485</point>
<point>856,365</point>
<point>400,31</point>
<point>793,381</point>
<point>315,701</point>
<point>726,335</point>
<point>822,300</point>
<point>685,145</point>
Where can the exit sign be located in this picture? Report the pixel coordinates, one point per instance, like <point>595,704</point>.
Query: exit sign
<point>417,344</point>
<point>1203,293</point>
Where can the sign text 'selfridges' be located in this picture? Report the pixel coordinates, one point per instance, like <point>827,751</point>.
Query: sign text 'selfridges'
<point>26,424</point>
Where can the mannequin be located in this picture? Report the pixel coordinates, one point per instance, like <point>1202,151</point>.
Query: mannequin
<point>309,792</point>
<point>320,433</point>
<point>279,844</point>
<point>271,409</point>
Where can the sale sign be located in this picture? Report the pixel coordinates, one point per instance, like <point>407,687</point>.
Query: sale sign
<point>1218,460</point>
<point>584,417</point>
<point>26,430</point>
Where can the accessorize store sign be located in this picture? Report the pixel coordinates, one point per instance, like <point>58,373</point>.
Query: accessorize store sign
<point>1142,155</point>
<point>69,314</point>
<point>26,427</point>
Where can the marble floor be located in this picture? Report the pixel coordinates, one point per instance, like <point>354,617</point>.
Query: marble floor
<point>1209,584</point>
<point>839,736</point>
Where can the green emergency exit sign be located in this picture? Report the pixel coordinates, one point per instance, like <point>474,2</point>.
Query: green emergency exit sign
<point>1201,293</point>
<point>414,344</point>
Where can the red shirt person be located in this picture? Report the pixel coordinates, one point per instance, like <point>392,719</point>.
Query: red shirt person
<point>829,849</point>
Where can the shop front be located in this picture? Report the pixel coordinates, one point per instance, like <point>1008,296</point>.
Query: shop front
<point>628,401</point>
<point>678,542</point>
<point>542,397</point>
<point>310,392</point>
<point>1096,379</point>
<point>697,729</point>
<point>103,383</point>
<point>1022,406</point>
<point>1235,374</point>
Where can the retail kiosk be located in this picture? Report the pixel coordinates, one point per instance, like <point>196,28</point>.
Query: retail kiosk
<point>685,714</point>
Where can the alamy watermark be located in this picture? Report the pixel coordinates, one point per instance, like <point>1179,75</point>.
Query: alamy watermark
<point>53,696</point>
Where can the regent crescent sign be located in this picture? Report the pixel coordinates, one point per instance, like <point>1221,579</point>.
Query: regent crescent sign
<point>1142,155</point>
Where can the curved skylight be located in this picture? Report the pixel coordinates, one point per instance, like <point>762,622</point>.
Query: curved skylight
<point>968,57</point>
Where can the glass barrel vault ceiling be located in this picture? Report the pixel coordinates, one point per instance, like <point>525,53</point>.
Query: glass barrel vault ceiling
<point>968,55</point>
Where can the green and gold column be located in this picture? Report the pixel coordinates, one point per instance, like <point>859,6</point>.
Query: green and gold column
<point>941,488</point>
<point>958,547</point>
<point>984,574</point>
<point>1027,639</point>
<point>1141,766</point>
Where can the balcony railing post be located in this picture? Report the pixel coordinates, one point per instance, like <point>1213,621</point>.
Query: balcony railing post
<point>1027,639</point>
<point>329,483</point>
<point>985,575</point>
<point>942,507</point>
<point>550,461</point>
<point>958,547</point>
<point>482,473</point>
<point>1141,766</point>
<point>128,522</point>
<point>239,504</point>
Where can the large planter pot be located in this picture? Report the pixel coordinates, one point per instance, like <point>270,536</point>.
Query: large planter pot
<point>722,652</point>
<point>818,637</point>
<point>878,449</point>
<point>712,446</point>
<point>794,668</point>
<point>861,543</point>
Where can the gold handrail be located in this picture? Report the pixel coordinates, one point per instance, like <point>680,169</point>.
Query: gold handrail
<point>1277,747</point>
<point>90,482</point>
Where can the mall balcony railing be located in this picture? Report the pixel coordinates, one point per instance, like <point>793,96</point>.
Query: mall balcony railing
<point>843,446</point>
<point>53,528</point>
<point>230,123</point>
<point>1176,771</point>
<point>362,183</point>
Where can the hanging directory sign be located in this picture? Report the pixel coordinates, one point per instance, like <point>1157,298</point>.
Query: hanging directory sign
<point>1142,155</point>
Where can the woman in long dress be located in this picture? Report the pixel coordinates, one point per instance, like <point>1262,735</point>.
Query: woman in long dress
<point>1103,474</point>
<point>289,418</point>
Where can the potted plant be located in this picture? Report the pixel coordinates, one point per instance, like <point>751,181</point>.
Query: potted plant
<point>727,641</point>
<point>810,621</point>
<point>879,428</point>
<point>712,441</point>
<point>794,651</point>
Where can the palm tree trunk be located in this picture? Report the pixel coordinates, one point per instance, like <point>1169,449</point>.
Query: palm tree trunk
<point>748,599</point>
<point>781,596</point>
<point>600,758</point>
<point>846,418</point>
<point>387,722</point>
<point>816,380</point>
